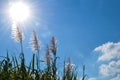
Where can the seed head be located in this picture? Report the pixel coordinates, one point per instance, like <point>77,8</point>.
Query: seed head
<point>48,56</point>
<point>53,45</point>
<point>17,34</point>
<point>34,41</point>
<point>69,66</point>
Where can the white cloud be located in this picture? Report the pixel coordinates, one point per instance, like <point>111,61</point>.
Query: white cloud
<point>92,78</point>
<point>116,78</point>
<point>110,69</point>
<point>110,57</point>
<point>109,51</point>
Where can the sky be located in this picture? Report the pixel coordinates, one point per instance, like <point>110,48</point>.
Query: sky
<point>87,31</point>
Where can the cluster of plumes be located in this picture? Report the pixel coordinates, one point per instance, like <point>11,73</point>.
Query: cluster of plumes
<point>53,46</point>
<point>17,34</point>
<point>35,43</point>
<point>50,59</point>
<point>51,49</point>
<point>69,67</point>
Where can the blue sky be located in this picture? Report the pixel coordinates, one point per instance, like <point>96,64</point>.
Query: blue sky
<point>86,30</point>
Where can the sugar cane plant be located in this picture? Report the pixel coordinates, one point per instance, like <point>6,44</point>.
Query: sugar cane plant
<point>12,69</point>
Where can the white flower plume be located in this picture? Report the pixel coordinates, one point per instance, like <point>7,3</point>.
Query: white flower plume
<point>17,34</point>
<point>53,45</point>
<point>35,43</point>
<point>69,66</point>
<point>48,56</point>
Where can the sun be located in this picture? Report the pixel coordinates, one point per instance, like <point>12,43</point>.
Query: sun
<point>19,11</point>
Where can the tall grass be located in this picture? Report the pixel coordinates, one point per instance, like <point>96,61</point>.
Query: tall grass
<point>11,69</point>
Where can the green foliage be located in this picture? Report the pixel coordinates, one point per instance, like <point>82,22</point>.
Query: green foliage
<point>11,69</point>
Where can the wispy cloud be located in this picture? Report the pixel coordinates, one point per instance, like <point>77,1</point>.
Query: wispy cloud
<point>44,29</point>
<point>110,69</point>
<point>109,51</point>
<point>116,78</point>
<point>110,57</point>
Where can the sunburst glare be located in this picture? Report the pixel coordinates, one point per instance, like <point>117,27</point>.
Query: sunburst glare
<point>19,11</point>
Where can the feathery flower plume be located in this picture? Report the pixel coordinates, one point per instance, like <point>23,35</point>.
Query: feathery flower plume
<point>48,56</point>
<point>53,46</point>
<point>17,34</point>
<point>35,44</point>
<point>69,66</point>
